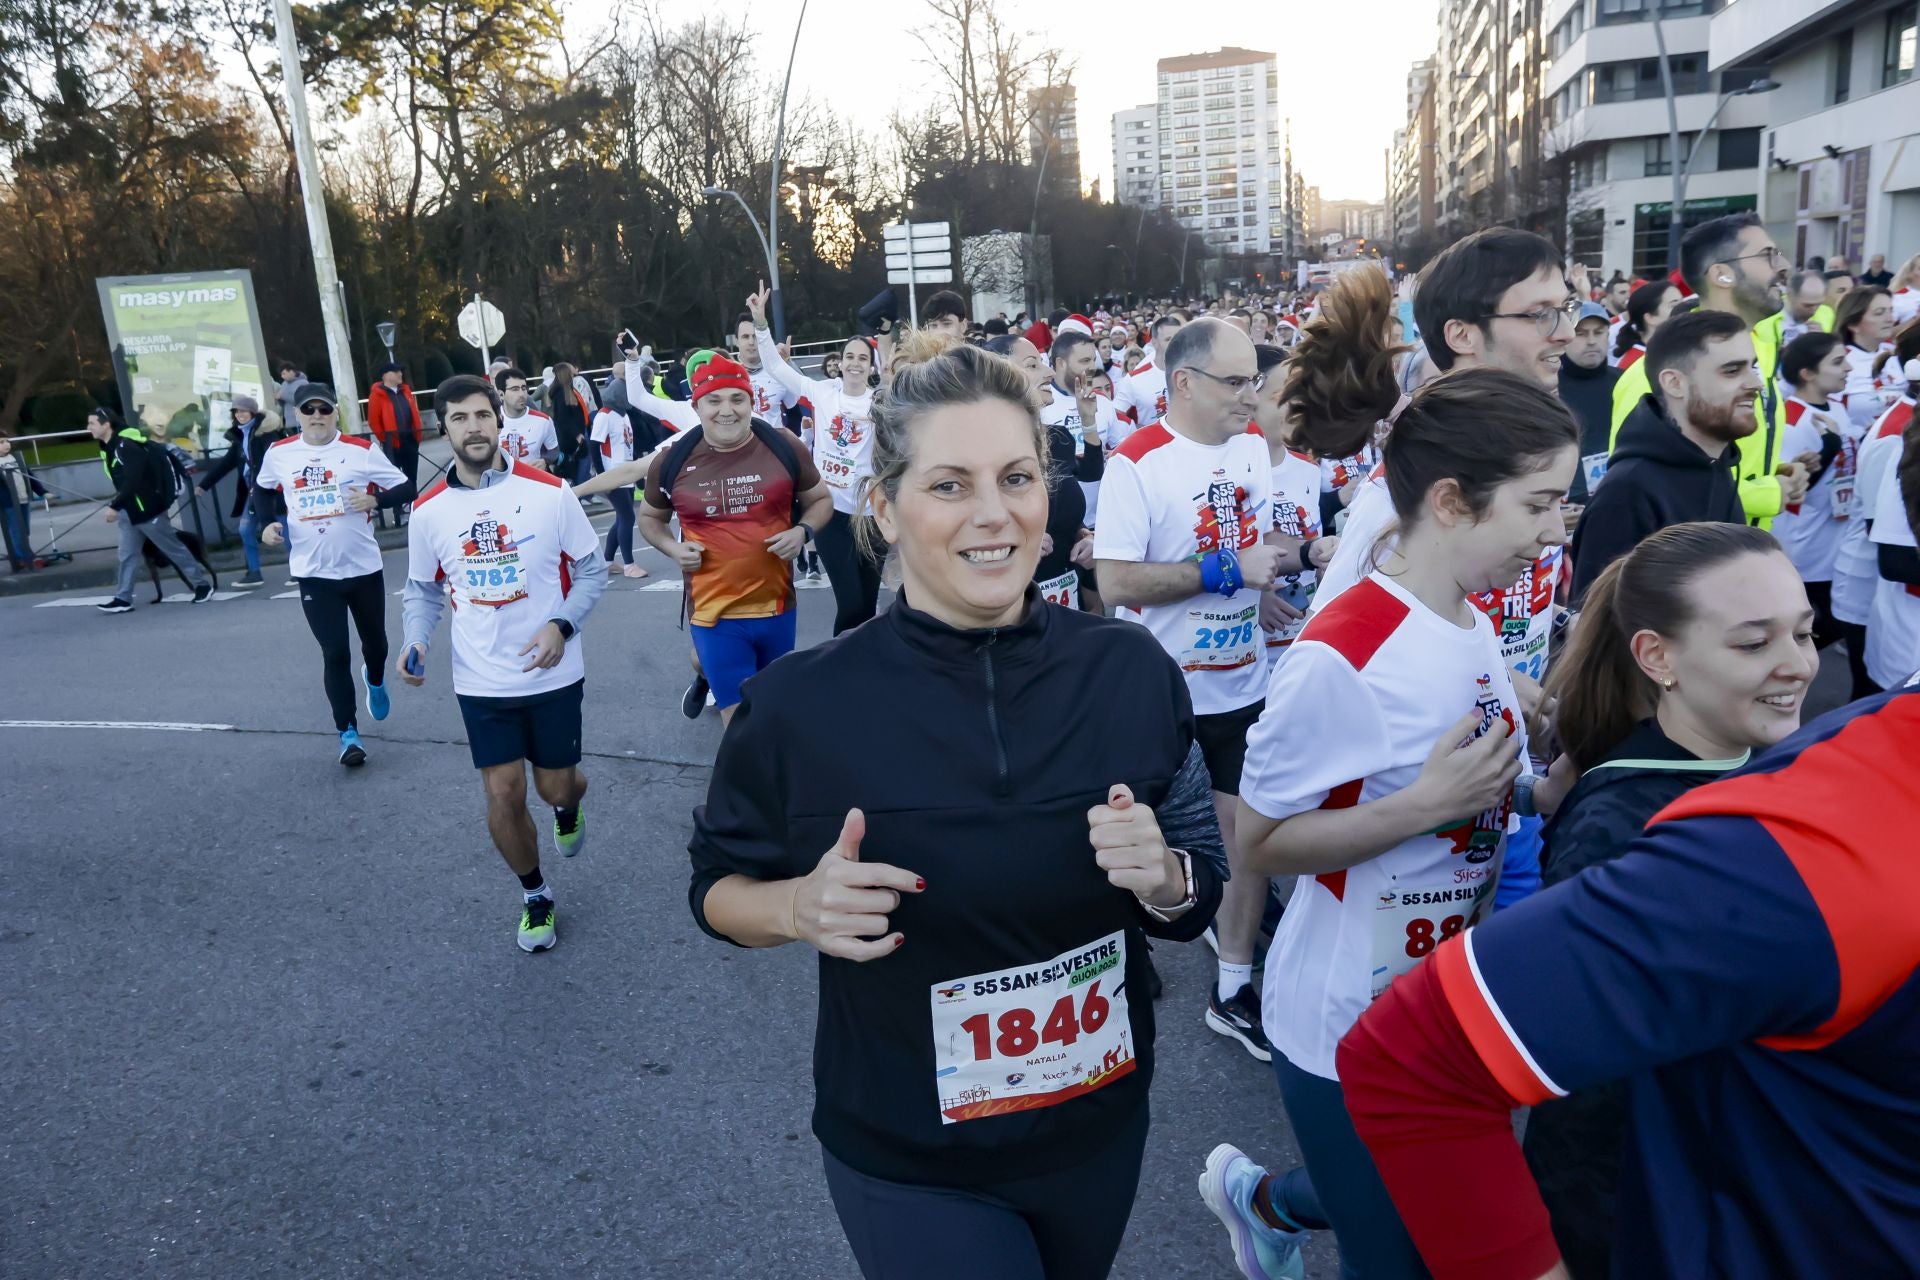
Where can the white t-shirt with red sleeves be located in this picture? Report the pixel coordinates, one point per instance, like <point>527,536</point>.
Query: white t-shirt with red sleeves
<point>613,432</point>
<point>1296,514</point>
<point>506,554</point>
<point>1893,627</point>
<point>1906,305</point>
<point>1810,529</point>
<point>1141,396</point>
<point>1352,715</point>
<point>1856,569</point>
<point>529,437</point>
<point>326,537</point>
<point>1165,499</point>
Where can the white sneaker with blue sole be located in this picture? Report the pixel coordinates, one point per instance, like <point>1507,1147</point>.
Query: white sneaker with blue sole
<point>1260,1251</point>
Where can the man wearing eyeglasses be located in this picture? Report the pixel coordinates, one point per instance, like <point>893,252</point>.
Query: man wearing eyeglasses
<point>1184,509</point>
<point>317,491</point>
<point>1732,264</point>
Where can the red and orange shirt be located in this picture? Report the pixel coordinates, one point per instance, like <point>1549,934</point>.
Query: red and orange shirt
<point>731,502</point>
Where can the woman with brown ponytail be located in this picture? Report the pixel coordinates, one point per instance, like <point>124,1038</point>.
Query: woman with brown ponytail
<point>1692,651</point>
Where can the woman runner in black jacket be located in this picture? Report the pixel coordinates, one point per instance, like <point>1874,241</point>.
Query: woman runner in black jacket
<point>1693,650</point>
<point>980,878</point>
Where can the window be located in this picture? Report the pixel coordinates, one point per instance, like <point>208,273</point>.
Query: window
<point>1745,74</point>
<point>1634,81</point>
<point>1897,62</point>
<point>1657,161</point>
<point>1739,148</point>
<point>1843,66</point>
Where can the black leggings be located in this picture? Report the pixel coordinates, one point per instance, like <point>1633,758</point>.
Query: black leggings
<point>327,602</point>
<point>620,532</point>
<point>1055,1226</point>
<point>854,574</point>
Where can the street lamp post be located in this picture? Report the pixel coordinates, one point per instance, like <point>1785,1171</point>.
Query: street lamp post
<point>773,191</point>
<point>766,246</point>
<point>1682,173</point>
<point>1679,171</point>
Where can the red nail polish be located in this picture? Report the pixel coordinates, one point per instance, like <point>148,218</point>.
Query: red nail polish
<point>919,883</point>
<point>899,938</point>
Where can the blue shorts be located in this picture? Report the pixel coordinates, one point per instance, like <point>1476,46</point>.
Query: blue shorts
<point>734,648</point>
<point>542,728</point>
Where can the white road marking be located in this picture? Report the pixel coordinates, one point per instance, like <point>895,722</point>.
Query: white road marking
<point>168,726</point>
<point>74,602</point>
<point>186,597</point>
<point>665,584</point>
<point>284,595</point>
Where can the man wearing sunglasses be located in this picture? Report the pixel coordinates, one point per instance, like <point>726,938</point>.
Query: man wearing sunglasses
<point>317,491</point>
<point>1184,509</point>
<point>1733,265</point>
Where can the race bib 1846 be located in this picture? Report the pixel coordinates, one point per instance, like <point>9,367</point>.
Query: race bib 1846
<point>1032,1036</point>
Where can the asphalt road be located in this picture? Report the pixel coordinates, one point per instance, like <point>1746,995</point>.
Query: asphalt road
<point>265,1017</point>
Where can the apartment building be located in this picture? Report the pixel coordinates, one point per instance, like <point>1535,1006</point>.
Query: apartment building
<point>1136,155</point>
<point>1839,141</point>
<point>1053,132</point>
<point>1607,125</point>
<point>1410,164</point>
<point>1209,150</point>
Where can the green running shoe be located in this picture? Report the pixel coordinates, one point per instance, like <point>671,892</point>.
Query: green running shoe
<point>571,841</point>
<point>536,925</point>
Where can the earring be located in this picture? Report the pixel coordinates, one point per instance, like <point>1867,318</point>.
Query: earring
<point>1667,684</point>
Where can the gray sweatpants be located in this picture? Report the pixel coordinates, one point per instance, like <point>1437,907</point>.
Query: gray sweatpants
<point>158,531</point>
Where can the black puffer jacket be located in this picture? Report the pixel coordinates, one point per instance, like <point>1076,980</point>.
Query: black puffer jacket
<point>1574,1143</point>
<point>1663,479</point>
<point>975,756</point>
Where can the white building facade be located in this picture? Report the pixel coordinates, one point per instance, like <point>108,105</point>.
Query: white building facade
<point>1136,155</point>
<point>1607,117</point>
<point>1841,153</point>
<point>1216,162</point>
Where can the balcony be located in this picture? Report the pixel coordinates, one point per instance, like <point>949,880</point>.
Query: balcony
<point>1626,42</point>
<point>1609,120</point>
<point>1751,26</point>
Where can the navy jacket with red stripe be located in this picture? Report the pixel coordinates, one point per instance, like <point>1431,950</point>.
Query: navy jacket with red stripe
<point>1749,965</point>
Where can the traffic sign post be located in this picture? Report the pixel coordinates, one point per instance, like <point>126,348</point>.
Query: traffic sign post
<point>482,325</point>
<point>918,253</point>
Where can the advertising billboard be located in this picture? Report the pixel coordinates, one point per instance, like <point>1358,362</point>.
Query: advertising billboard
<point>183,346</point>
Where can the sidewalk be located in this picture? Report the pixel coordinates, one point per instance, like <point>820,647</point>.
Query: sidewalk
<point>83,533</point>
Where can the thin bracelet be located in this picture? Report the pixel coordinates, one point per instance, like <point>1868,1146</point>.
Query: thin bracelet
<point>793,908</point>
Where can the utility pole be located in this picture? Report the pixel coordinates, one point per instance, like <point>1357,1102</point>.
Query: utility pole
<point>333,312</point>
<point>779,305</point>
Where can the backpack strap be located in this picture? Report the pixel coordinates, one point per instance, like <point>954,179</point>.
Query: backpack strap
<point>677,454</point>
<point>781,443</point>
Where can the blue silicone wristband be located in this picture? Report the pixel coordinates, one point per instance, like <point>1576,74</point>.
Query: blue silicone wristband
<point>1230,578</point>
<point>1212,574</point>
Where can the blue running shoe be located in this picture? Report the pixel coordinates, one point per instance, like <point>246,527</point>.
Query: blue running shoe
<point>378,702</point>
<point>352,754</point>
<point>1262,1252</point>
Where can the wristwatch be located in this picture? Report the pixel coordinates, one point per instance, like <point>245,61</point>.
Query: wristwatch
<point>1523,796</point>
<point>1166,915</point>
<point>566,628</point>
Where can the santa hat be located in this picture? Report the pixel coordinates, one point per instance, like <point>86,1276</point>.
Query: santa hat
<point>709,371</point>
<point>1039,335</point>
<point>1077,323</point>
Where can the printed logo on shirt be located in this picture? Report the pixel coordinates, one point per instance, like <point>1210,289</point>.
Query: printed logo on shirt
<point>1478,838</point>
<point>314,473</point>
<point>845,431</point>
<point>491,556</point>
<point>1224,518</point>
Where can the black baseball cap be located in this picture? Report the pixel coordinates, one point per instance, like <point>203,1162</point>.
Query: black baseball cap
<point>308,391</point>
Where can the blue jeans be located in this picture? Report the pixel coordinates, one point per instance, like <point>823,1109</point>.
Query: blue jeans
<point>250,541</point>
<point>1344,1187</point>
<point>19,522</point>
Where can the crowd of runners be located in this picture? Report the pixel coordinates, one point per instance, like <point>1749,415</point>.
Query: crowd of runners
<point>1436,653</point>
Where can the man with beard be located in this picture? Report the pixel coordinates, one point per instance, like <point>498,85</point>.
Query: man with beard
<point>513,549</point>
<point>1734,266</point>
<point>1675,457</point>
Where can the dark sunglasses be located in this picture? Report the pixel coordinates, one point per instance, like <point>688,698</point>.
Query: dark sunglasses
<point>315,407</point>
